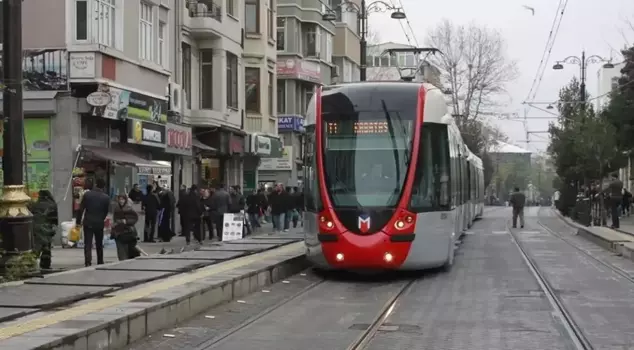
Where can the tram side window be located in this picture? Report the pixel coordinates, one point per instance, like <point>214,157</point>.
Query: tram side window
<point>311,182</point>
<point>432,188</point>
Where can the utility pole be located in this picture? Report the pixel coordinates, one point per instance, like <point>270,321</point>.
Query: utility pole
<point>15,217</point>
<point>583,63</point>
<point>363,43</point>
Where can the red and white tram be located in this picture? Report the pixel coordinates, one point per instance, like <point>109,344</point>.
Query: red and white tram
<point>389,183</point>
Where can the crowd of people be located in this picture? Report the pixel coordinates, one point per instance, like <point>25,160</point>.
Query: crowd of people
<point>201,212</point>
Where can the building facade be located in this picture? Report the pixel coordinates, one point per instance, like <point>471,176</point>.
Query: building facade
<point>260,89</point>
<point>607,81</point>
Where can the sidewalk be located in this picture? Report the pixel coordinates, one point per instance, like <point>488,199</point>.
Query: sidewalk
<point>73,258</point>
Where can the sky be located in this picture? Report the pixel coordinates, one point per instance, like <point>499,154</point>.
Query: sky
<point>600,27</point>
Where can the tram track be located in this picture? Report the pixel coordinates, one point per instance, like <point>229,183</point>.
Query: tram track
<point>361,342</point>
<point>574,332</point>
<point>610,266</point>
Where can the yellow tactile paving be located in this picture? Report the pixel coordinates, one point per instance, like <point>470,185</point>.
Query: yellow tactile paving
<point>154,287</point>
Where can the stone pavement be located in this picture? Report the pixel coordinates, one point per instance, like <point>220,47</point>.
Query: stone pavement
<point>73,258</point>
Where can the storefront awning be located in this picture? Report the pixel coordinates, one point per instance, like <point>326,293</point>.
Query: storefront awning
<point>115,155</point>
<point>196,143</point>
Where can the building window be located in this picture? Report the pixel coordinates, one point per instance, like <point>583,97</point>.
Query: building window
<point>230,8</point>
<point>81,20</point>
<point>252,89</point>
<point>162,44</point>
<point>270,20</point>
<point>232,81</point>
<point>105,22</point>
<point>328,47</point>
<point>206,79</point>
<point>252,16</point>
<point>281,33</point>
<point>311,40</point>
<point>187,72</point>
<point>281,96</point>
<point>271,83</point>
<point>145,32</point>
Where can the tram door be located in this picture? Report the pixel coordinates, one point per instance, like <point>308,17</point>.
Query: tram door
<point>470,202</point>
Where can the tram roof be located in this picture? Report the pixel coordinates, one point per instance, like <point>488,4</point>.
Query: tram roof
<point>436,110</point>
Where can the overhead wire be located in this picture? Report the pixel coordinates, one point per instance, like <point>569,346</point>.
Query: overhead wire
<point>409,25</point>
<point>550,42</point>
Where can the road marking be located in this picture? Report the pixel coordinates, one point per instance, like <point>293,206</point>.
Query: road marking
<point>529,232</point>
<point>124,297</point>
<point>500,232</point>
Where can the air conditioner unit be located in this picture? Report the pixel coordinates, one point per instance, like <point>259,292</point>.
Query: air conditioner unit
<point>176,98</point>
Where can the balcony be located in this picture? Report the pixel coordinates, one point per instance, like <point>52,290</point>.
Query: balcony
<point>205,18</point>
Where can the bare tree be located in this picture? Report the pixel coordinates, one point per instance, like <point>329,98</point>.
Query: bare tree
<point>476,67</point>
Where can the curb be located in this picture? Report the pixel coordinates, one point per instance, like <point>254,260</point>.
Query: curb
<point>118,326</point>
<point>622,247</point>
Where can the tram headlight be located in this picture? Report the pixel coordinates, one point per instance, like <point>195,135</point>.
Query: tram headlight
<point>399,224</point>
<point>325,222</point>
<point>388,257</point>
<point>339,257</point>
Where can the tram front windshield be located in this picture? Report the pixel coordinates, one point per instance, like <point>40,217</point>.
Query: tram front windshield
<point>366,155</point>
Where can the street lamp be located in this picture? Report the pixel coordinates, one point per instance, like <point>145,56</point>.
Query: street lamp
<point>362,16</point>
<point>583,62</point>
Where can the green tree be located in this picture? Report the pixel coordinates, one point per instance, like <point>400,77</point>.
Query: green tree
<point>583,146</point>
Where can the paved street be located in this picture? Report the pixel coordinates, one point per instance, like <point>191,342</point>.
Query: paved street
<point>490,300</point>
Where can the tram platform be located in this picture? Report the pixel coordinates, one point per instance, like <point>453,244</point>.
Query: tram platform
<point>109,306</point>
<point>619,241</point>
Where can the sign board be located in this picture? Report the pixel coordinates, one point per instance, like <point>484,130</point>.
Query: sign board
<point>233,225</point>
<point>98,99</point>
<point>286,162</point>
<point>145,133</point>
<point>82,65</point>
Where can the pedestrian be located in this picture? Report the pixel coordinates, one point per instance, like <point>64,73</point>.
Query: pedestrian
<point>254,208</point>
<point>44,227</point>
<point>92,213</point>
<point>615,190</point>
<point>151,205</point>
<point>135,195</point>
<point>627,201</point>
<point>164,220</point>
<point>182,193</point>
<point>290,207</point>
<point>220,205</point>
<point>518,201</point>
<point>124,219</point>
<point>278,200</point>
<point>298,201</point>
<point>191,211</point>
<point>207,222</point>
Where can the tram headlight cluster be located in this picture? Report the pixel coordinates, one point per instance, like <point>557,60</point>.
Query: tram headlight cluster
<point>404,221</point>
<point>325,222</point>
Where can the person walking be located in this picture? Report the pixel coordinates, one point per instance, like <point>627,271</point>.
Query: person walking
<point>615,190</point>
<point>124,232</point>
<point>220,205</point>
<point>92,213</point>
<point>191,211</point>
<point>151,205</point>
<point>279,203</point>
<point>518,201</point>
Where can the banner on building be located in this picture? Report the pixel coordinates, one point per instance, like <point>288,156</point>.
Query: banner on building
<point>282,163</point>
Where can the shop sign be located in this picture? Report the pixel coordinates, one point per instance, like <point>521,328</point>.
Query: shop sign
<point>236,144</point>
<point>98,99</point>
<point>145,133</point>
<point>82,65</point>
<point>282,163</point>
<point>261,145</point>
<point>290,123</point>
<point>154,170</point>
<point>126,104</point>
<point>179,139</point>
<point>296,68</point>
<point>37,132</point>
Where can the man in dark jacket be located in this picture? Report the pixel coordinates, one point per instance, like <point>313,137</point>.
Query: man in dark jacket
<point>220,205</point>
<point>279,202</point>
<point>181,194</point>
<point>517,201</point>
<point>191,211</point>
<point>44,226</point>
<point>92,213</point>
<point>151,205</point>
<point>615,190</point>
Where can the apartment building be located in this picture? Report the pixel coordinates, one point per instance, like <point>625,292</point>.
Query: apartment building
<point>346,49</point>
<point>304,44</point>
<point>382,66</point>
<point>96,100</point>
<point>260,79</point>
